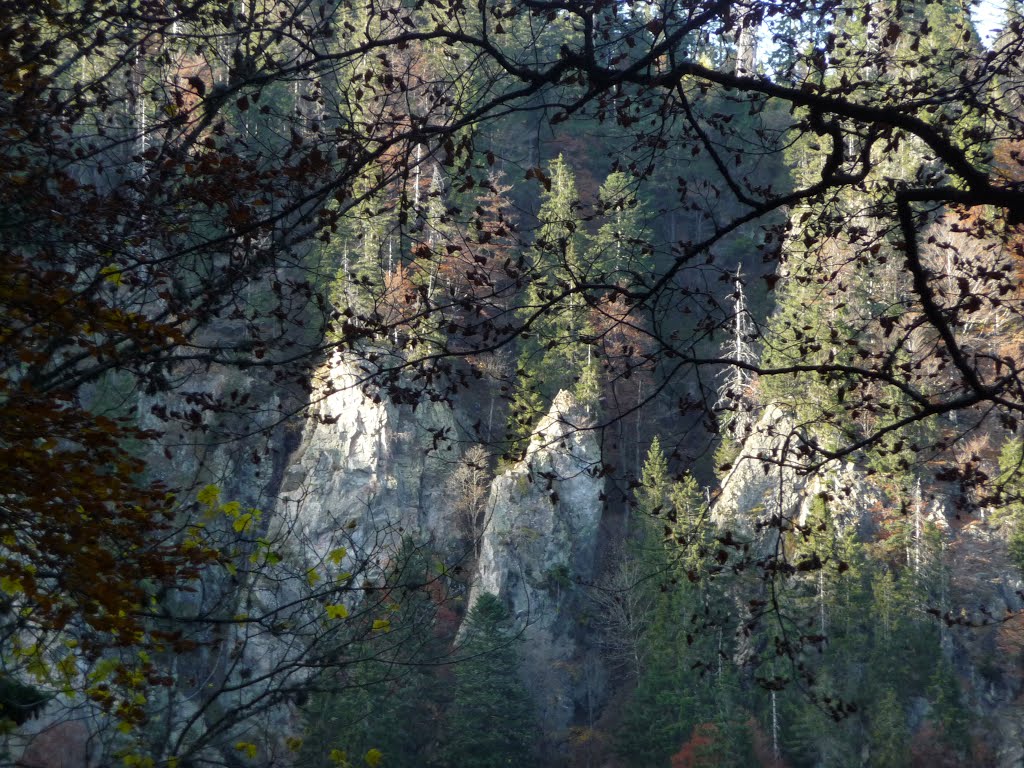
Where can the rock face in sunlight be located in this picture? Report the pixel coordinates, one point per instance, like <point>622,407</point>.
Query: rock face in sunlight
<point>367,466</point>
<point>332,493</point>
<point>769,478</point>
<point>540,541</point>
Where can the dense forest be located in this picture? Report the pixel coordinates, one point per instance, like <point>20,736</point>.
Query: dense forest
<point>421,383</point>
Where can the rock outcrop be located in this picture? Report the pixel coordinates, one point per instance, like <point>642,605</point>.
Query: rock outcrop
<point>367,466</point>
<point>770,478</point>
<point>540,541</point>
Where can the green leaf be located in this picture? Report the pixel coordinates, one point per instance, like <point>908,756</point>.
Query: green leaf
<point>337,555</point>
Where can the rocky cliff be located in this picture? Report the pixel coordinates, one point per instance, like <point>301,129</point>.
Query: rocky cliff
<point>539,542</point>
<point>366,466</point>
<point>977,615</point>
<point>770,477</point>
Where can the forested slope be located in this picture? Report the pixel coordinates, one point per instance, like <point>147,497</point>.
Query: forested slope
<point>539,383</point>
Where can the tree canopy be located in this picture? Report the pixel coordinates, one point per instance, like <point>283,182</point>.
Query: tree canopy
<point>192,187</point>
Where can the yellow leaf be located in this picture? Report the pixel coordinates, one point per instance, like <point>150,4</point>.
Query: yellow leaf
<point>242,523</point>
<point>103,670</point>
<point>10,585</point>
<point>373,757</point>
<point>337,555</point>
<point>231,509</point>
<point>337,611</point>
<point>133,760</point>
<point>208,495</point>
<point>248,748</point>
<point>38,668</point>
<point>312,576</point>
<point>67,667</point>
<point>112,274</point>
<point>338,757</point>
<point>294,743</point>
<point>381,625</point>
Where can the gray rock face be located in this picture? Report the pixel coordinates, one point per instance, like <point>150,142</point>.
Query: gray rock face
<point>364,475</point>
<point>770,478</point>
<point>336,491</point>
<point>539,541</point>
<point>333,488</point>
<point>366,467</point>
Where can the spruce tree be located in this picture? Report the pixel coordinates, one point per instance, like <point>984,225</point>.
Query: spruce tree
<point>652,495</point>
<point>889,734</point>
<point>491,723</point>
<point>525,411</point>
<point>554,346</point>
<point>620,242</point>
<point>1011,481</point>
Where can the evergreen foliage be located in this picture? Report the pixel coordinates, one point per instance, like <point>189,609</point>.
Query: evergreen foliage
<point>555,307</point>
<point>491,722</point>
<point>197,195</point>
<point>390,696</point>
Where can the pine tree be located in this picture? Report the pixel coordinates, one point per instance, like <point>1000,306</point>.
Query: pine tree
<point>685,680</point>
<point>890,737</point>
<point>664,706</point>
<point>652,495</point>
<point>390,694</point>
<point>949,713</point>
<point>525,412</point>
<point>1011,481</point>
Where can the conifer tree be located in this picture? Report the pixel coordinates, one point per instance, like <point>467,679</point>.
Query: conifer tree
<point>889,734</point>
<point>620,240</point>
<point>652,495</point>
<point>525,411</point>
<point>554,345</point>
<point>1011,481</point>
<point>491,723</point>
<point>387,693</point>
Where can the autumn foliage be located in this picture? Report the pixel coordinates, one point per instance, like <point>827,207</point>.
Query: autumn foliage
<point>699,749</point>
